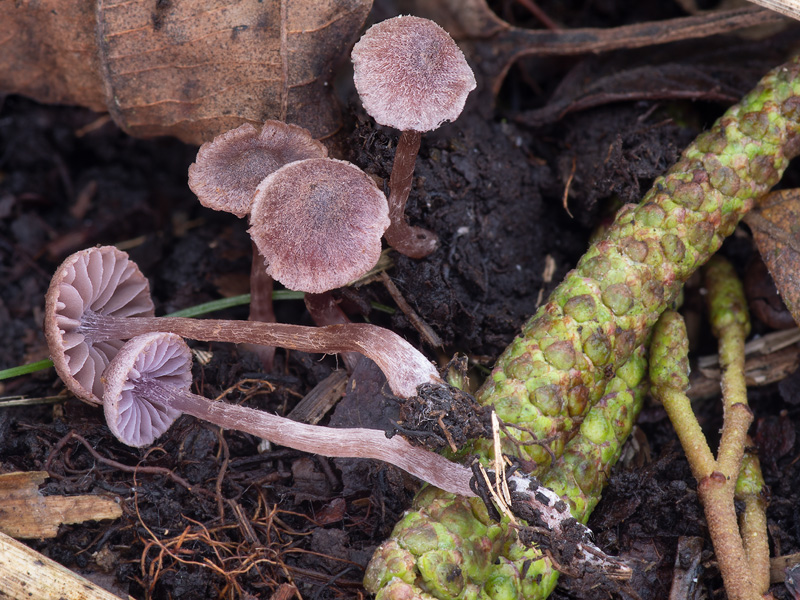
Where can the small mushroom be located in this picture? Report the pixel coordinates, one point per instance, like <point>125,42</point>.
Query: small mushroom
<point>318,223</point>
<point>410,75</point>
<point>147,388</point>
<point>229,168</point>
<point>225,176</point>
<point>98,298</point>
<point>99,282</point>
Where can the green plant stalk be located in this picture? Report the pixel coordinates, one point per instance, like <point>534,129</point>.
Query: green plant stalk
<point>730,322</point>
<point>580,474</point>
<point>716,478</point>
<point>669,378</point>
<point>551,375</point>
<point>751,490</point>
<point>447,536</point>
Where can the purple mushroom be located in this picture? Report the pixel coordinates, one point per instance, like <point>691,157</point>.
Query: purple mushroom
<point>147,388</point>
<point>98,298</point>
<point>410,75</point>
<point>225,176</point>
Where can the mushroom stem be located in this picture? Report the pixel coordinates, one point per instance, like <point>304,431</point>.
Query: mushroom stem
<point>404,366</point>
<point>261,308</point>
<point>415,242</point>
<point>325,311</point>
<point>326,441</point>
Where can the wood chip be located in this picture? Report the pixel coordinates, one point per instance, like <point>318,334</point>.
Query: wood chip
<point>25,513</point>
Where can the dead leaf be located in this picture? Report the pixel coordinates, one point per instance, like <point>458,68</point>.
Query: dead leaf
<point>763,298</point>
<point>493,45</point>
<point>25,513</point>
<point>776,229</point>
<point>332,512</point>
<point>187,69</point>
<point>583,88</point>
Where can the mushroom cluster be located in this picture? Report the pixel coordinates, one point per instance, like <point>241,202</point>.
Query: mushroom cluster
<point>316,224</point>
<point>98,298</point>
<point>242,172</point>
<point>316,221</point>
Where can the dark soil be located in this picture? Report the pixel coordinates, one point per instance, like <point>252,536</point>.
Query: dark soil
<point>206,515</point>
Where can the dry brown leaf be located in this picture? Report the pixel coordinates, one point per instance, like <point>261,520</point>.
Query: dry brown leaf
<point>191,69</point>
<point>493,45</point>
<point>776,229</point>
<point>587,85</point>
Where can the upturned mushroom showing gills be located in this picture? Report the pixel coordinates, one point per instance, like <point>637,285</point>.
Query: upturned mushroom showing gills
<point>147,388</point>
<point>410,75</point>
<point>99,281</point>
<point>318,223</point>
<point>99,298</point>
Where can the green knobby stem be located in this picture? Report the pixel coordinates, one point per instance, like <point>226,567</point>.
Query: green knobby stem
<point>558,367</point>
<point>669,377</point>
<point>488,555</point>
<point>730,322</point>
<point>580,474</point>
<point>751,490</point>
<point>551,375</point>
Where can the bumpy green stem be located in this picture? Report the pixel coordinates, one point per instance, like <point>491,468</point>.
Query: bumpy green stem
<point>582,471</point>
<point>743,575</point>
<point>669,376</point>
<point>552,374</point>
<point>730,322</point>
<point>548,379</point>
<point>450,548</point>
<point>751,490</point>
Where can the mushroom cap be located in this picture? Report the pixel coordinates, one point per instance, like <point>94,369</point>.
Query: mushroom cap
<point>100,280</point>
<point>318,224</point>
<point>229,168</point>
<point>132,417</point>
<point>410,74</point>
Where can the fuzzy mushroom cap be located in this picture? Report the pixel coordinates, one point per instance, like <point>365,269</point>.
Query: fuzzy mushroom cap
<point>230,167</point>
<point>318,224</point>
<point>160,358</point>
<point>100,281</point>
<point>410,74</point>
